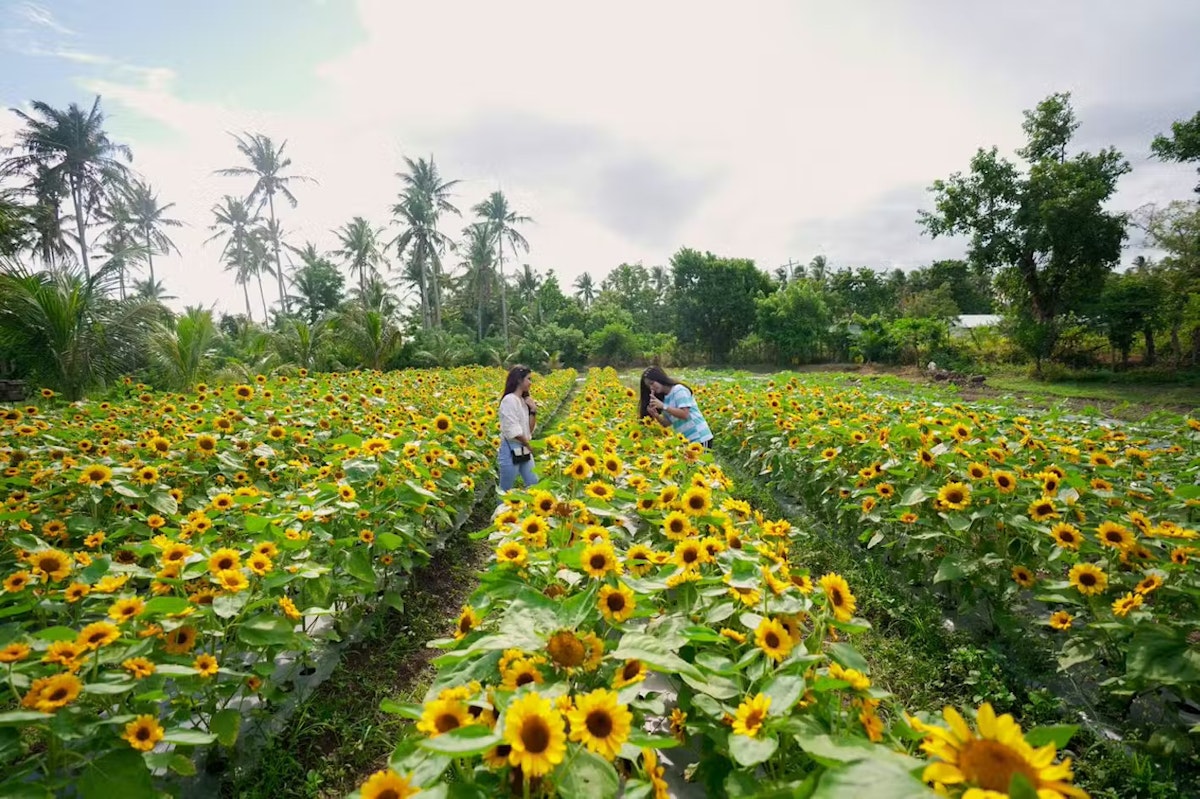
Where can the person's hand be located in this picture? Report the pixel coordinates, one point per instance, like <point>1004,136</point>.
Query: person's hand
<point>655,404</point>
<point>530,404</point>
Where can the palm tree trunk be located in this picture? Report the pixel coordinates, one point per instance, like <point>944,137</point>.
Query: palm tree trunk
<point>479,305</point>
<point>246,294</point>
<point>503,297</point>
<point>275,242</point>
<point>121,276</point>
<point>77,199</point>
<point>262,296</point>
<point>435,271</point>
<point>150,258</point>
<point>362,280</point>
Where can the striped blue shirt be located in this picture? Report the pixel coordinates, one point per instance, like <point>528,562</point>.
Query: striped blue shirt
<point>693,428</point>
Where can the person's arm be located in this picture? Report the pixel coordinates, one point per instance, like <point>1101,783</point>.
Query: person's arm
<point>532,406</point>
<point>683,410</point>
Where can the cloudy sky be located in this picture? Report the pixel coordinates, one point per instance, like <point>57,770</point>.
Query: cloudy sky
<point>769,130</point>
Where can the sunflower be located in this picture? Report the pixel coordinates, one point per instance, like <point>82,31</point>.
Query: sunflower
<point>143,733</point>
<point>988,760</point>
<point>954,495</point>
<point>224,560</point>
<point>654,773</point>
<point>747,595</point>
<point>233,581</point>
<point>600,491</point>
<point>14,653</point>
<point>1042,509</point>
<point>48,694</point>
<point>1066,536</point>
<point>387,784</point>
<point>441,423</point>
<point>617,604</point>
<point>751,714</point>
<point>222,502</point>
<point>978,471</point>
<point>180,640</point>
<point>926,459</point>
<point>578,469</point>
<point>676,526</point>
<point>1005,482</point>
<point>1100,459</point>
<point>243,392</point>
<point>1023,577</point>
<point>838,595</point>
<point>98,634</point>
<point>631,671</point>
<point>566,649</point>
<point>1115,535</point>
<point>639,559</point>
<point>147,475</point>
<point>139,668</point>
<point>1061,620</point>
<point>599,559</point>
<point>443,715</point>
<point>346,493</point>
<point>909,518</point>
<point>1088,578</point>
<point>689,554</point>
<point>772,638</point>
<point>522,671</point>
<point>697,501</point>
<point>1130,601</point>
<point>206,444</point>
<point>126,609</point>
<point>512,554</point>
<point>289,608</point>
<point>50,564</point>
<point>600,722</point>
<point>96,475</point>
<point>543,503</point>
<point>467,621</point>
<point>206,665</point>
<point>1149,584</point>
<point>537,734</point>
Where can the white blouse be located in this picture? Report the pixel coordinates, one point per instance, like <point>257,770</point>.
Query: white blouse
<point>514,418</point>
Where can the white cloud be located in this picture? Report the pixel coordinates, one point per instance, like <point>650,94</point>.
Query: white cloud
<point>40,16</point>
<point>630,129</point>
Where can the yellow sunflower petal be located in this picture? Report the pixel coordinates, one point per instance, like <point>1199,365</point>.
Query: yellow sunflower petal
<point>942,772</point>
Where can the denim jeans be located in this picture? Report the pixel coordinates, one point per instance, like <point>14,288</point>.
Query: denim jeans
<point>509,470</point>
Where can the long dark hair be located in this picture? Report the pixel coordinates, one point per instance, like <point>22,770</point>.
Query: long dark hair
<point>515,375</point>
<point>656,374</point>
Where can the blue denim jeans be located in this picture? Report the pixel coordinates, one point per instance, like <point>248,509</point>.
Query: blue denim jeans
<point>509,470</point>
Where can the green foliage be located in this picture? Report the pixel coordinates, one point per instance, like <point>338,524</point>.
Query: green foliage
<point>714,299</point>
<point>793,322</point>
<point>1043,230</point>
<point>181,347</point>
<point>1129,304</point>
<point>317,283</point>
<point>612,344</point>
<point>1182,145</point>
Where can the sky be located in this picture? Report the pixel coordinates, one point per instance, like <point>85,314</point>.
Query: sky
<point>771,130</point>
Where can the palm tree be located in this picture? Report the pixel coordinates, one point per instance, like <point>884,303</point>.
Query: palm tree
<point>148,218</point>
<point>370,335</point>
<point>585,289</point>
<point>318,283</point>
<point>481,274</point>
<point>495,211</point>
<point>65,327</point>
<point>233,221</point>
<point>360,248</point>
<point>121,246</point>
<point>180,347</point>
<point>660,280</point>
<point>267,165</point>
<point>528,284</point>
<point>425,197</point>
<point>70,150</point>
<point>153,290</point>
<point>258,260</point>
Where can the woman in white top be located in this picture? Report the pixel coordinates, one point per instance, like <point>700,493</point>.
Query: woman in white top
<point>518,418</point>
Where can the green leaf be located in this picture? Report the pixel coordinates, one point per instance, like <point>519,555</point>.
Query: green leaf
<point>1019,787</point>
<point>406,709</point>
<point>21,717</point>
<point>226,606</point>
<point>189,737</point>
<point>875,778</point>
<point>163,502</point>
<point>471,740</point>
<point>644,740</point>
<point>1058,734</point>
<point>848,656</point>
<point>588,776</point>
<point>949,570</point>
<point>255,524</point>
<point>784,690</point>
<point>1162,655</point>
<point>166,604</point>
<point>913,496</point>
<point>652,650</point>
<point>227,724</point>
<point>58,633</point>
<point>266,630</point>
<point>749,751</point>
<point>184,766</point>
<point>388,541</point>
<point>359,565</point>
<point>124,769</point>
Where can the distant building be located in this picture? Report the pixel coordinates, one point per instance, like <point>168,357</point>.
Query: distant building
<point>969,321</point>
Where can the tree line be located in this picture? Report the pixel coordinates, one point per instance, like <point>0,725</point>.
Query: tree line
<point>80,302</point>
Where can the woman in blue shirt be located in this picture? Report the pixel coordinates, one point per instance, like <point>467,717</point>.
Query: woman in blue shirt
<point>669,402</point>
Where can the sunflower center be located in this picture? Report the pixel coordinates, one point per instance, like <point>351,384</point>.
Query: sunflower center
<point>754,719</point>
<point>836,597</point>
<point>535,735</point>
<point>631,669</point>
<point>598,562</point>
<point>57,695</point>
<point>616,603</point>
<point>524,679</point>
<point>599,724</point>
<point>690,555</point>
<point>446,722</point>
<point>991,765</point>
<point>1087,579</point>
<point>771,640</point>
<point>142,734</point>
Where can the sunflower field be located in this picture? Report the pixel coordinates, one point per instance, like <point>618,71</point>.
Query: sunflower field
<point>638,627</point>
<point>1081,529</point>
<point>161,555</point>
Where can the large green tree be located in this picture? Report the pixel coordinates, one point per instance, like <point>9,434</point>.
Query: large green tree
<point>149,219</point>
<point>794,321</point>
<point>267,166</point>
<point>234,221</point>
<point>359,249</point>
<point>1043,229</point>
<point>715,299</point>
<point>1182,145</point>
<point>317,284</point>
<point>68,152</point>
<point>425,197</point>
